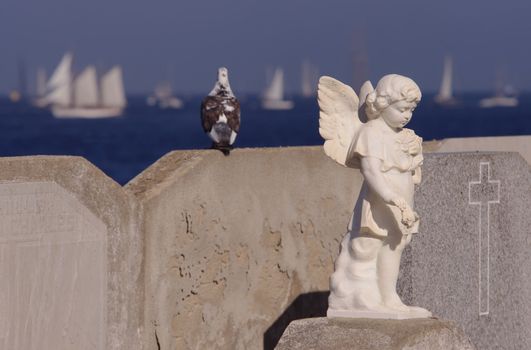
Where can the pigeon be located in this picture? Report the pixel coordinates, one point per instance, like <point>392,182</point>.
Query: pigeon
<point>220,114</point>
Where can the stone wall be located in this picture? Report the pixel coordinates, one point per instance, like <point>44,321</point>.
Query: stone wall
<point>206,251</point>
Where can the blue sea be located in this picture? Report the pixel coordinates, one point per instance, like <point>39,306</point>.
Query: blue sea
<point>123,147</point>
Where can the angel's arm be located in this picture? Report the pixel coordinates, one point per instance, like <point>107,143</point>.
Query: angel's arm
<point>370,169</point>
<point>417,176</point>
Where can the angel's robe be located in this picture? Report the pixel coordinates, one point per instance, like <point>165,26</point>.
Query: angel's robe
<point>401,155</point>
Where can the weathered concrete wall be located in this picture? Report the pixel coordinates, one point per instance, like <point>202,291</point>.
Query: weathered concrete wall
<point>70,257</point>
<point>232,242</point>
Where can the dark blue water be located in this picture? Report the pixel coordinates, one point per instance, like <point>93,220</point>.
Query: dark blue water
<point>123,147</point>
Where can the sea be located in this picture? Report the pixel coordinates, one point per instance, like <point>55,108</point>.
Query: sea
<point>123,147</point>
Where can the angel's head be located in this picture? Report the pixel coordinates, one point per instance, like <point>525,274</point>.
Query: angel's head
<point>394,99</point>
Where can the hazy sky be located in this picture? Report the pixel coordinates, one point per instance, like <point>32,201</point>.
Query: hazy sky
<point>185,41</point>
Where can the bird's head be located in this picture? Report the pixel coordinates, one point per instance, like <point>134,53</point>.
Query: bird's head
<point>223,77</point>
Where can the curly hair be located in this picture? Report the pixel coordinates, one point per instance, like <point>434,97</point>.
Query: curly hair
<point>390,89</point>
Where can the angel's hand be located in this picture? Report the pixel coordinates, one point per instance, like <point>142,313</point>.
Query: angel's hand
<point>399,202</point>
<point>409,217</point>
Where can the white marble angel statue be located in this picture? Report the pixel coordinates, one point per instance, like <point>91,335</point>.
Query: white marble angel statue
<point>368,134</point>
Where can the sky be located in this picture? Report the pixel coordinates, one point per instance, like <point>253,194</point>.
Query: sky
<point>186,41</point>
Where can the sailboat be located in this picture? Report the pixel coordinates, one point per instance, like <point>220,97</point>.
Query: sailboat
<point>163,97</point>
<point>444,97</point>
<point>505,95</point>
<point>82,96</point>
<point>499,101</point>
<point>274,94</point>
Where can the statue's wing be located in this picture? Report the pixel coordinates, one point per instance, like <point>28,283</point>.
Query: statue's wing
<point>338,117</point>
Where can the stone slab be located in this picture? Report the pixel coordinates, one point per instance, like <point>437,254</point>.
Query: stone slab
<point>368,334</point>
<point>70,257</point>
<point>331,313</point>
<point>471,261</point>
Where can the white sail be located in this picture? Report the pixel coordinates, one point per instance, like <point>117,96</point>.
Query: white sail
<point>63,73</point>
<point>445,92</point>
<point>275,91</point>
<point>112,88</point>
<point>61,95</point>
<point>60,84</point>
<point>273,96</point>
<point>86,88</point>
<point>41,82</point>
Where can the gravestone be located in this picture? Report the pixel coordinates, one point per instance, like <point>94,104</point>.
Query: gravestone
<point>471,261</point>
<point>70,257</point>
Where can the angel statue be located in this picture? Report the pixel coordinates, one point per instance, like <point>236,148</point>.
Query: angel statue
<point>368,133</point>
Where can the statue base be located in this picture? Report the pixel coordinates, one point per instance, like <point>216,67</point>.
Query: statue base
<point>331,313</point>
<point>364,334</point>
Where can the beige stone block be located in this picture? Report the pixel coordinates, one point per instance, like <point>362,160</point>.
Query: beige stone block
<point>233,243</point>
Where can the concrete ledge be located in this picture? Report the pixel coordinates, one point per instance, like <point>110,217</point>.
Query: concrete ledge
<point>368,334</point>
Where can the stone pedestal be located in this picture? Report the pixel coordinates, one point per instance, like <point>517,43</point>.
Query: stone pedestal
<point>343,333</point>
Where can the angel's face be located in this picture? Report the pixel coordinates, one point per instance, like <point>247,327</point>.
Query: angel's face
<point>398,114</point>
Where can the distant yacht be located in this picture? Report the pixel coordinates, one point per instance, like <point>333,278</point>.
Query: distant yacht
<point>82,96</point>
<point>445,95</point>
<point>163,97</point>
<point>498,101</point>
<point>273,97</point>
<point>505,95</point>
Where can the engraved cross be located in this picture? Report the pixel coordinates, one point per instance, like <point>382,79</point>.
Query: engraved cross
<point>483,193</point>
